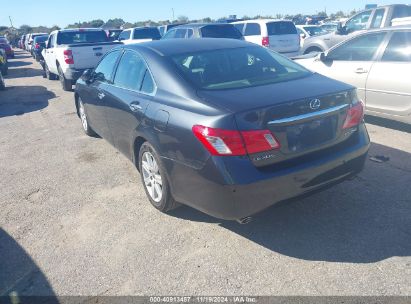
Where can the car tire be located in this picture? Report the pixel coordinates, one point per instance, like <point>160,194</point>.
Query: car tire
<point>2,84</point>
<point>66,84</point>
<point>154,179</point>
<point>84,119</point>
<point>49,75</point>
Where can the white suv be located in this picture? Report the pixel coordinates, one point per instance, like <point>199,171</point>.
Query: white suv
<point>279,35</point>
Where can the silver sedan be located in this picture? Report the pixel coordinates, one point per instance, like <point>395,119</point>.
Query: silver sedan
<point>378,63</point>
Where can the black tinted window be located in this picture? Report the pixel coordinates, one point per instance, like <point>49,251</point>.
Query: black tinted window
<point>236,68</point>
<point>239,26</point>
<point>147,33</point>
<point>220,31</point>
<point>252,29</point>
<point>362,48</point>
<point>81,37</point>
<point>402,11</point>
<point>130,71</point>
<point>190,33</point>
<point>125,35</point>
<point>105,68</point>
<point>399,48</point>
<point>281,28</point>
<point>40,39</point>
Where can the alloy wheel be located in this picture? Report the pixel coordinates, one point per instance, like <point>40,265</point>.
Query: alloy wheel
<point>152,177</point>
<point>83,115</point>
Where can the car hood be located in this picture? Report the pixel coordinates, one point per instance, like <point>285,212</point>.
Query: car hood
<point>239,100</point>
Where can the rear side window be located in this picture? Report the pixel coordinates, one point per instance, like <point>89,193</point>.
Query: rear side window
<point>148,83</point>
<point>125,35</point>
<point>402,11</point>
<point>281,28</point>
<point>362,48</point>
<point>170,34</point>
<point>81,37</point>
<point>147,33</point>
<point>239,26</point>
<point>190,33</point>
<point>252,29</point>
<point>399,48</point>
<point>377,19</point>
<point>130,71</point>
<point>180,33</point>
<point>39,39</point>
<point>105,68</point>
<point>220,31</point>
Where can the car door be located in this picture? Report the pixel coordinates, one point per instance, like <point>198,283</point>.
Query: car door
<point>49,55</point>
<point>252,33</point>
<point>128,98</point>
<point>351,61</point>
<point>389,81</point>
<point>95,97</point>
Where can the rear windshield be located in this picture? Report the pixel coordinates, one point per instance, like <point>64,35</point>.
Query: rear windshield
<point>147,33</point>
<point>281,28</point>
<point>221,31</point>
<point>81,37</point>
<point>236,68</point>
<point>41,39</point>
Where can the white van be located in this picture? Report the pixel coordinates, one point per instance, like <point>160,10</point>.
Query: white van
<point>279,35</point>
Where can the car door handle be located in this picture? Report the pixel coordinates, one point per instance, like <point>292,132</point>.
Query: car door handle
<point>101,95</point>
<point>361,71</point>
<point>135,107</point>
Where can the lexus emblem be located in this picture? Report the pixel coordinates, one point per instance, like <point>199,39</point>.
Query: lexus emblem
<point>315,104</point>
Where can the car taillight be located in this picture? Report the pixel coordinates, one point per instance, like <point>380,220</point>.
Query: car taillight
<point>266,41</point>
<point>37,46</point>
<point>355,115</point>
<point>68,57</point>
<point>235,143</point>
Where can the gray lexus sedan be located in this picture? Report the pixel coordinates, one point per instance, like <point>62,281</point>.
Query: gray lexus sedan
<point>221,125</point>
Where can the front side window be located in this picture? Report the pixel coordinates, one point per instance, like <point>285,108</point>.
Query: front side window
<point>130,71</point>
<point>125,35</point>
<point>190,33</point>
<point>180,33</point>
<point>105,68</point>
<point>377,19</point>
<point>362,48</point>
<point>358,22</point>
<point>252,29</point>
<point>170,34</point>
<point>51,42</point>
<point>399,48</point>
<point>236,68</point>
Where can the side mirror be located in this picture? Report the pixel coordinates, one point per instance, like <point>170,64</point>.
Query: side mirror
<point>341,28</point>
<point>303,36</point>
<point>324,58</point>
<point>88,75</point>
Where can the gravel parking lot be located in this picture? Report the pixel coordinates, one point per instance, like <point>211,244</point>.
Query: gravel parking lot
<point>74,218</point>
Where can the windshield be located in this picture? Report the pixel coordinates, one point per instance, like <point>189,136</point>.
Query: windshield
<point>314,30</point>
<point>81,37</point>
<point>220,31</point>
<point>237,68</point>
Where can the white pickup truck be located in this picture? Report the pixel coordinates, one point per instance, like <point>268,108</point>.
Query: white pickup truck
<point>70,52</point>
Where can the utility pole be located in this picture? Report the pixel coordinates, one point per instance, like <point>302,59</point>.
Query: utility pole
<point>11,22</point>
<point>172,9</point>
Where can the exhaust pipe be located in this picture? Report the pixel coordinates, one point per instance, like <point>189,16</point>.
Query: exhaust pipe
<point>245,220</point>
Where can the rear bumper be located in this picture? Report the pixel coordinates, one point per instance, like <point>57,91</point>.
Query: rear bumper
<point>232,187</point>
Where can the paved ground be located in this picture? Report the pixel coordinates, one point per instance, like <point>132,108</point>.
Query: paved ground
<point>74,218</point>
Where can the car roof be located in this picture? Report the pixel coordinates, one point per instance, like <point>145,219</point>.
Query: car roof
<point>261,21</point>
<point>170,47</point>
<point>199,25</point>
<point>80,29</point>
